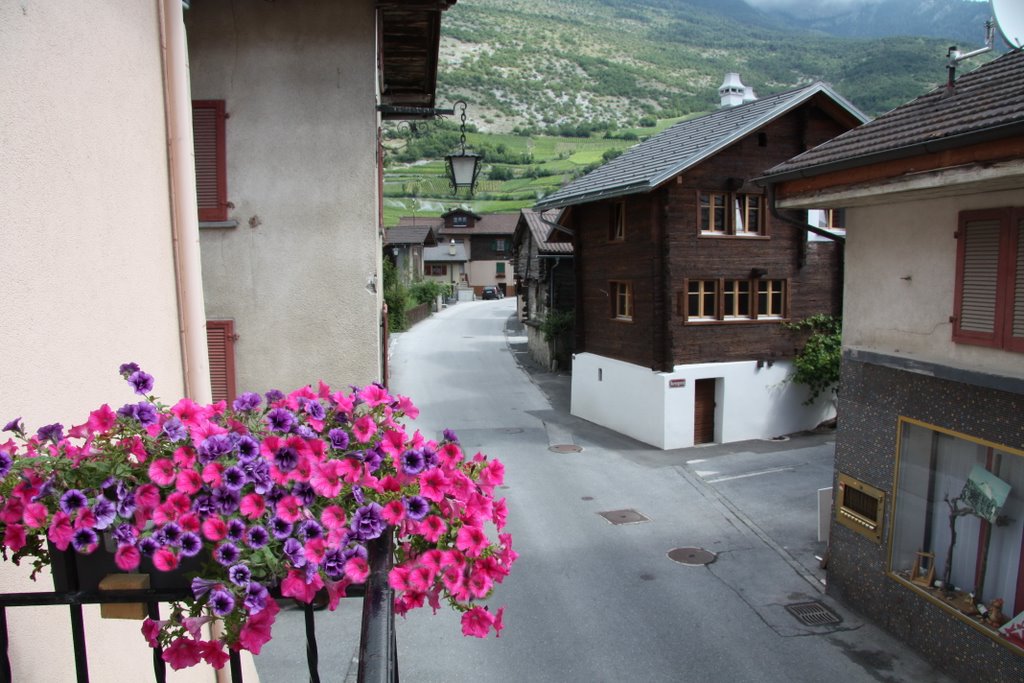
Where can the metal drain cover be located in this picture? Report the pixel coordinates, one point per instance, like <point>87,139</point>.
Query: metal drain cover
<point>813,613</point>
<point>693,557</point>
<point>566,448</point>
<point>624,517</point>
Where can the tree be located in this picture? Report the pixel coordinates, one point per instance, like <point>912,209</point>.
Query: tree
<point>817,363</point>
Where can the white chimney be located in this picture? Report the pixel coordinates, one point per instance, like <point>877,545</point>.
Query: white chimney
<point>732,92</point>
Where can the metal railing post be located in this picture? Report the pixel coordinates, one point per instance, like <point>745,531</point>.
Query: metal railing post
<point>378,651</point>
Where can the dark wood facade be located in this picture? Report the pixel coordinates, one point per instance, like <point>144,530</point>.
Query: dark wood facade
<point>662,248</point>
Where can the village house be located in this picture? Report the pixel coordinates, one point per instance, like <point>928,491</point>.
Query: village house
<point>928,531</point>
<point>404,247</point>
<point>685,279</point>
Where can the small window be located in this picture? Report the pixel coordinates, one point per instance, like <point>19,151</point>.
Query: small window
<point>460,220</point>
<point>499,269</point>
<point>744,217</point>
<point>622,300</point>
<point>702,300</point>
<point>617,222</point>
<point>437,269</point>
<point>771,296</point>
<point>499,244</point>
<point>736,299</point>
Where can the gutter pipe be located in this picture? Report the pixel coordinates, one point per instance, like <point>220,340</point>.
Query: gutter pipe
<point>184,206</point>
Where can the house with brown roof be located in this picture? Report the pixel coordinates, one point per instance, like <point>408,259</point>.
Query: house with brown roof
<point>545,282</point>
<point>685,279</point>
<point>927,537</point>
<point>404,245</point>
<point>474,251</point>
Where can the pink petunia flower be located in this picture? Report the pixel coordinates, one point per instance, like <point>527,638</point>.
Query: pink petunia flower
<point>432,528</point>
<point>471,540</point>
<point>151,629</point>
<point>289,508</point>
<point>394,512</point>
<point>500,516</point>
<point>374,395</point>
<point>188,482</point>
<point>326,478</point>
<point>15,537</point>
<point>36,515</point>
<point>493,474</point>
<point>165,560</point>
<point>215,528</point>
<point>101,420</point>
<point>256,631</point>
<point>253,505</point>
<point>364,428</point>
<point>406,406</point>
<point>294,586</point>
<point>60,531</point>
<point>314,550</point>
<point>127,557</point>
<point>162,472</point>
<point>433,484</point>
<point>182,653</point>
<point>477,622</point>
<point>334,517</point>
<point>357,570</point>
<point>212,652</point>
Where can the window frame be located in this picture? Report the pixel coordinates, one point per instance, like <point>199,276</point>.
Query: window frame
<point>432,267</point>
<point>711,203</point>
<point>617,222</point>
<point>685,298</point>
<point>209,151</point>
<point>754,305</point>
<point>1009,278</point>
<point>621,291</point>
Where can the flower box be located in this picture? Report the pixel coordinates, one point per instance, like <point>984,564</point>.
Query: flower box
<point>70,567</point>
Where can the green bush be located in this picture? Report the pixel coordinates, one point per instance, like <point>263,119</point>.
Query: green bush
<point>427,291</point>
<point>817,363</point>
<point>396,297</point>
<point>556,323</point>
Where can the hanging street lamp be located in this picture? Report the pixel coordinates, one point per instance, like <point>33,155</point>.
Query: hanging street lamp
<point>463,167</point>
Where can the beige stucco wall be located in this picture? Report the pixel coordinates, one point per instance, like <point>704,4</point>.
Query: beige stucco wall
<point>904,254</point>
<point>87,266</point>
<point>299,83</point>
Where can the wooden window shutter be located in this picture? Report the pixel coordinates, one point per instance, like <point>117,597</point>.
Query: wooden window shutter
<point>976,307</point>
<point>211,165</point>
<point>220,340</point>
<point>1015,333</point>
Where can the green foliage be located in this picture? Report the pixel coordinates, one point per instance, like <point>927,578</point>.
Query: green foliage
<point>557,323</point>
<point>427,291</point>
<point>817,363</point>
<point>396,296</point>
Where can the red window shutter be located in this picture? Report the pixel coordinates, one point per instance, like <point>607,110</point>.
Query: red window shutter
<point>211,165</point>
<point>220,340</point>
<point>976,306</point>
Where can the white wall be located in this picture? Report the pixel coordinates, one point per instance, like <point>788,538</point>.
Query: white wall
<point>752,402</point>
<point>299,83</point>
<point>905,255</point>
<point>88,277</point>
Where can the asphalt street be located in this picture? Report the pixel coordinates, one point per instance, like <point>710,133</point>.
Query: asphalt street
<point>590,600</point>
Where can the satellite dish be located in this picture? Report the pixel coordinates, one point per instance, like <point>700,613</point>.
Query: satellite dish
<point>1009,16</point>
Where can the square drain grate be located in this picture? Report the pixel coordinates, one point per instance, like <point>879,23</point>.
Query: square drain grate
<point>624,517</point>
<point>813,613</point>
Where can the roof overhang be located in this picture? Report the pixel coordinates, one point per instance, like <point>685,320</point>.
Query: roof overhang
<point>410,37</point>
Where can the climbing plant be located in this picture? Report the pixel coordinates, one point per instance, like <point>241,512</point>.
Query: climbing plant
<point>817,363</point>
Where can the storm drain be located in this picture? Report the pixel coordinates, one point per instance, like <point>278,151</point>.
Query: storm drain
<point>813,613</point>
<point>565,448</point>
<point>624,517</point>
<point>693,557</point>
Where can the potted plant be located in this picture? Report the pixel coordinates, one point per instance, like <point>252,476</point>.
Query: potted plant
<point>276,493</point>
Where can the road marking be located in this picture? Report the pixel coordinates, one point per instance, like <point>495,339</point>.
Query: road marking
<point>704,474</point>
<point>748,474</point>
<point>696,462</point>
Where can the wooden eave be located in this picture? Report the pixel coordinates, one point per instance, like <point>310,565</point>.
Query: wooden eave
<point>812,189</point>
<point>410,37</point>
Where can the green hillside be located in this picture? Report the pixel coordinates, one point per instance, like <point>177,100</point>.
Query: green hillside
<point>555,87</point>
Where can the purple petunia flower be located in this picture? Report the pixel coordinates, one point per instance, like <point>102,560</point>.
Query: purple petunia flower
<point>239,574</point>
<point>339,439</point>
<point>280,420</point>
<point>213,447</point>
<point>304,491</point>
<point>256,597</point>
<point>413,461</point>
<point>146,414</point>
<point>305,432</point>
<point>142,382</point>
<point>257,537</point>
<point>373,458</point>
<point>5,463</point>
<point>334,564</point>
<point>126,506</point>
<point>357,495</point>
<point>127,369</point>
<point>221,602</point>
<point>84,539</point>
<point>310,529</point>
<point>148,546</point>
<point>274,395</point>
<point>224,500</point>
<point>286,459</point>
<point>449,435</point>
<point>72,500</point>
<point>234,477</point>
<point>416,507</point>
<point>174,430</point>
<point>105,513</point>
<point>236,529</point>
<point>125,534</point>
<point>248,448</point>
<point>247,401</point>
<point>54,432</point>
<point>201,587</point>
<point>315,410</point>
<point>280,528</point>
<point>367,522</point>
<point>293,549</point>
<point>227,554</point>
<point>171,533</point>
<point>14,426</point>
<point>129,410</point>
<point>191,544</point>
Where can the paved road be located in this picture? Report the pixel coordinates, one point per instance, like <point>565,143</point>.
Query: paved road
<point>593,601</point>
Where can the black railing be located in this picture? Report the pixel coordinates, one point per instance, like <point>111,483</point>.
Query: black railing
<point>378,652</point>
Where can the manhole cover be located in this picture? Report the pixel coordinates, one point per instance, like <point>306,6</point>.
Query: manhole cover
<point>694,557</point>
<point>566,448</point>
<point>624,517</point>
<point>813,613</point>
<point>512,430</point>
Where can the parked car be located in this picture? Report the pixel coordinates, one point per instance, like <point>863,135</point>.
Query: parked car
<point>491,293</point>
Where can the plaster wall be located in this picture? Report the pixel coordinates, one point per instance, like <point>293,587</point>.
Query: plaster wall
<point>904,253</point>
<point>751,402</point>
<point>88,275</point>
<point>299,84</point>
<point>482,273</point>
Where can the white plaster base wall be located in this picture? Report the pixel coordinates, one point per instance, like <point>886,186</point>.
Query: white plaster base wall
<point>751,402</point>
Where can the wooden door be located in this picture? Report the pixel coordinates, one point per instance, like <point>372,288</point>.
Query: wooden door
<point>704,411</point>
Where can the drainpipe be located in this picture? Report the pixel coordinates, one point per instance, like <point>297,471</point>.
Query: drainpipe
<point>184,208</point>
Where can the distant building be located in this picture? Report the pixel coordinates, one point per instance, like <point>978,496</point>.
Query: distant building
<point>684,278</point>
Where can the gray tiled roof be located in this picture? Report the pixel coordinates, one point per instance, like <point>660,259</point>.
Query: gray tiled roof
<point>442,252</point>
<point>652,162</point>
<point>540,227</point>
<point>410,234</point>
<point>986,103</point>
